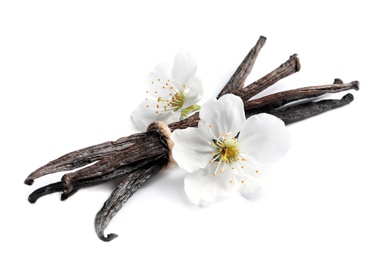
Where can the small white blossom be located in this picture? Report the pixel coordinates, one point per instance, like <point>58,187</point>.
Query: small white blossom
<point>171,94</point>
<point>221,154</point>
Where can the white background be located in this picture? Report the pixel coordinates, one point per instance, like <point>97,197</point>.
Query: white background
<point>72,71</point>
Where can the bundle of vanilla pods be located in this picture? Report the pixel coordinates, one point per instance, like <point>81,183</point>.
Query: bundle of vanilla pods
<point>135,159</point>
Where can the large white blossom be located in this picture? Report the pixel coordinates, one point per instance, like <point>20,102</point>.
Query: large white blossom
<point>171,94</point>
<point>221,155</point>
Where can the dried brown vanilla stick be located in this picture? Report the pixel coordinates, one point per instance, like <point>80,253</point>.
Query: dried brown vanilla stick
<point>307,110</point>
<point>137,158</point>
<point>238,79</point>
<point>291,66</point>
<point>276,100</point>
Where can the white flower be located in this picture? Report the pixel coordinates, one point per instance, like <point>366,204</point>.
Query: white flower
<point>172,95</point>
<point>220,155</point>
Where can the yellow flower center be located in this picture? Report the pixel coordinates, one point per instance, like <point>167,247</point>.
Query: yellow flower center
<point>177,101</point>
<point>228,152</point>
<point>171,99</point>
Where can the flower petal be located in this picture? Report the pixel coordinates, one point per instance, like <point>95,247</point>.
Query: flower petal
<point>230,179</point>
<point>158,91</point>
<point>192,148</point>
<point>225,115</point>
<point>202,186</point>
<point>250,186</point>
<point>194,92</point>
<point>184,68</point>
<point>143,116</point>
<point>159,82</point>
<point>265,138</point>
<point>160,72</point>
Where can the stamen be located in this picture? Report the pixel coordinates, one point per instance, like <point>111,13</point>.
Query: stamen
<point>214,137</point>
<point>222,170</point>
<point>217,168</point>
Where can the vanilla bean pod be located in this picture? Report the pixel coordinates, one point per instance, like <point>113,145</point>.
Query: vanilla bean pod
<point>84,156</point>
<point>133,181</point>
<point>276,100</point>
<point>310,109</point>
<point>135,159</point>
<point>151,149</point>
<point>238,78</point>
<point>79,184</point>
<point>118,159</point>
<point>119,197</point>
<point>289,67</point>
